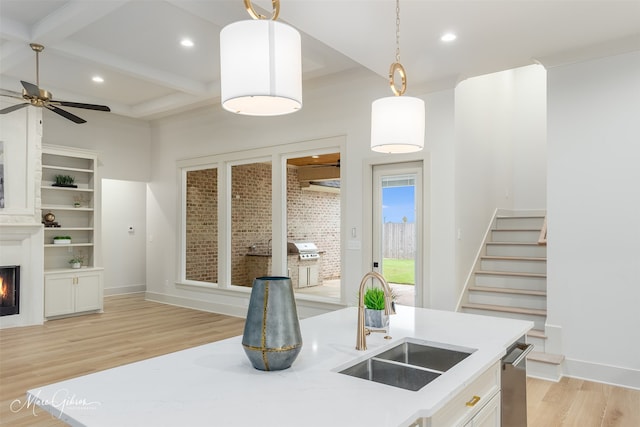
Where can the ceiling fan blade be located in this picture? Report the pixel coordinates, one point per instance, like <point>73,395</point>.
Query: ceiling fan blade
<point>13,108</point>
<point>66,114</point>
<point>10,93</point>
<point>81,105</point>
<point>31,89</point>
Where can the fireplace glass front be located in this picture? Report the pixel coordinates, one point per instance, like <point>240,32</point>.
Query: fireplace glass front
<point>9,290</point>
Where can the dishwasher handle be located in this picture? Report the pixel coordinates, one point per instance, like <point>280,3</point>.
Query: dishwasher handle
<point>524,350</point>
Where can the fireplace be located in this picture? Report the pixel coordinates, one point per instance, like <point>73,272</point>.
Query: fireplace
<point>9,290</point>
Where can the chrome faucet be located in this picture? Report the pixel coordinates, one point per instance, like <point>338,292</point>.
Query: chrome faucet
<point>361,340</point>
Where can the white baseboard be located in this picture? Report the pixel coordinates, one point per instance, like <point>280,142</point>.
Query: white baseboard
<point>131,289</point>
<point>614,375</point>
<point>213,307</point>
<point>305,308</point>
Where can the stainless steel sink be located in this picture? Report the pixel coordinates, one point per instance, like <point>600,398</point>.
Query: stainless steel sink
<point>395,374</point>
<point>426,356</point>
<point>409,365</point>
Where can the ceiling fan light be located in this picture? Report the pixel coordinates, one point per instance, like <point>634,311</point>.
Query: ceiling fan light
<point>397,124</point>
<point>260,68</point>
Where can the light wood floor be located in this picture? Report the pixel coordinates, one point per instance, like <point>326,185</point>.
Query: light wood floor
<point>132,329</point>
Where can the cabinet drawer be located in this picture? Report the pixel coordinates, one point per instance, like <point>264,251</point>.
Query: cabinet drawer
<point>469,401</point>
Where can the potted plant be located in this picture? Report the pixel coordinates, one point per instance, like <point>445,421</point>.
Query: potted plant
<point>62,240</point>
<point>76,261</point>
<point>64,181</point>
<point>374,316</point>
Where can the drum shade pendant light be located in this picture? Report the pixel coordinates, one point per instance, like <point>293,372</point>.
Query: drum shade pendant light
<point>397,122</point>
<point>260,65</point>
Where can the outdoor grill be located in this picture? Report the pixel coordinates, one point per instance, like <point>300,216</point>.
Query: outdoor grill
<point>304,250</point>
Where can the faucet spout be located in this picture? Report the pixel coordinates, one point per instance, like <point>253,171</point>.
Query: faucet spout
<point>361,340</point>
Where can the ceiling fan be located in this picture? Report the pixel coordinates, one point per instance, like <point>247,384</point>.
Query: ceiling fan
<point>42,98</point>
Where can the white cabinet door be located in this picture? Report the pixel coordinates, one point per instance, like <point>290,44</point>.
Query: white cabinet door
<point>88,292</point>
<point>489,415</point>
<point>71,292</point>
<point>58,295</point>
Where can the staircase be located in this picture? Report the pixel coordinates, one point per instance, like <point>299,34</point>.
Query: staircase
<point>510,280</point>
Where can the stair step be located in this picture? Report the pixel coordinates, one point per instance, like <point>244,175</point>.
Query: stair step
<point>509,222</point>
<point>515,235</point>
<point>530,249</point>
<point>550,358</point>
<point>513,264</point>
<point>503,309</point>
<point>508,291</point>
<point>537,333</point>
<point>512,273</point>
<point>514,258</point>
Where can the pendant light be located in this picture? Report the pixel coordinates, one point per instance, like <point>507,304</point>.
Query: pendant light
<point>260,65</point>
<point>397,122</point>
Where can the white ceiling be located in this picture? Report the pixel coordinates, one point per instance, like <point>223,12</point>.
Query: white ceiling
<point>134,44</point>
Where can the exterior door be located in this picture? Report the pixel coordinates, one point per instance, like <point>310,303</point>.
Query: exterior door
<point>397,228</point>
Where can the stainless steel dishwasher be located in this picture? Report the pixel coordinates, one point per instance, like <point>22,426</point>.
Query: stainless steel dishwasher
<point>514,385</point>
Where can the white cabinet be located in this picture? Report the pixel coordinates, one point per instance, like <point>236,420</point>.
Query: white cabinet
<point>71,210</point>
<point>489,415</point>
<point>70,292</point>
<point>474,406</point>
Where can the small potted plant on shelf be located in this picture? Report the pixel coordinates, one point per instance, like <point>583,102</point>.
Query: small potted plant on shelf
<point>76,261</point>
<point>64,181</point>
<point>62,240</point>
<point>374,316</point>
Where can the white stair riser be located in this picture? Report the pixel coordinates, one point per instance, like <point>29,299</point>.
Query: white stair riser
<point>515,236</point>
<point>515,282</point>
<point>537,320</point>
<point>514,266</point>
<point>536,250</point>
<point>547,371</point>
<point>510,223</point>
<point>538,343</point>
<point>508,300</point>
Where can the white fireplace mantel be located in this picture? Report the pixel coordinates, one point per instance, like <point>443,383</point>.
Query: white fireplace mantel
<point>22,244</point>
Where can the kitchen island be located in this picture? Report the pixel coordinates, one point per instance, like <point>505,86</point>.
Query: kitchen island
<point>215,384</point>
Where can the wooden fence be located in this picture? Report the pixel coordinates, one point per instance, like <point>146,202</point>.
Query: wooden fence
<point>399,240</point>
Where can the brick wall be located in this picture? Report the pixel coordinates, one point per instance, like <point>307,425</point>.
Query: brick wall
<point>312,216</point>
<point>201,226</point>
<point>250,215</point>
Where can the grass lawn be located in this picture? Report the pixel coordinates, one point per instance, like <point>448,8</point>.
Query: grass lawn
<point>399,271</point>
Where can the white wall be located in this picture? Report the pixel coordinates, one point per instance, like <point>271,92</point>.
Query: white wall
<point>594,211</point>
<point>499,155</point>
<point>340,108</point>
<point>124,253</point>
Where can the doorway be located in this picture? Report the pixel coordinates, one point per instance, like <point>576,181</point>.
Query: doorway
<point>397,228</point>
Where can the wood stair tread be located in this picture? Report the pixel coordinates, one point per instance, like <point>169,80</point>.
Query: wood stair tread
<point>537,333</point>
<point>513,258</point>
<point>505,309</point>
<point>514,243</point>
<point>512,273</point>
<point>507,291</point>
<point>550,358</point>
<point>519,216</point>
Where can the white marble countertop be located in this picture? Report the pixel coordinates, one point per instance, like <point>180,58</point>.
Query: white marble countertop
<point>215,385</point>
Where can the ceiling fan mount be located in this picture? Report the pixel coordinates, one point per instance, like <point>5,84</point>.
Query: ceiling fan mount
<point>42,98</point>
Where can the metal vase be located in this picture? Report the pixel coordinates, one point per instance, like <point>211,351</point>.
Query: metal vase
<point>272,338</point>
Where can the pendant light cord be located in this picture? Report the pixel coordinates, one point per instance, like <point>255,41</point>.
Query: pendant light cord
<point>397,30</point>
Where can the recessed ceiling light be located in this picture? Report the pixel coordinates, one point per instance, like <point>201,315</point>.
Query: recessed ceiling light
<point>97,79</point>
<point>315,156</point>
<point>186,42</point>
<point>448,37</point>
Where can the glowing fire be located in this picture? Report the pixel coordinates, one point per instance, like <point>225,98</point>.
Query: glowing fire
<point>4,288</point>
